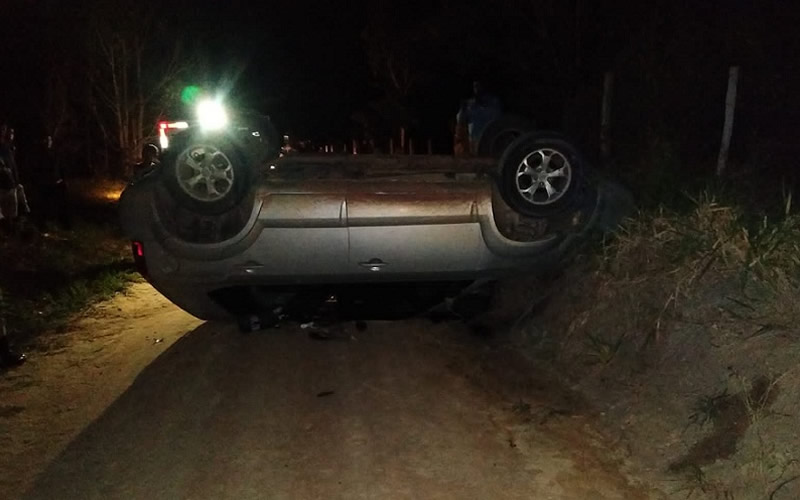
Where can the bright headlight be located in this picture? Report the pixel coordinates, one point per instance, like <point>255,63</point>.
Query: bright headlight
<point>211,115</point>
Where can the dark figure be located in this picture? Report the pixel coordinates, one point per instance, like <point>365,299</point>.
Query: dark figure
<point>149,161</point>
<point>473,117</point>
<point>12,193</point>
<point>8,357</point>
<point>52,187</point>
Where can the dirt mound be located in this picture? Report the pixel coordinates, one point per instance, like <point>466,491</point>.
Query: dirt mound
<point>683,334</point>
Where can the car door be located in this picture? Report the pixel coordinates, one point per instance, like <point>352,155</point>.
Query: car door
<point>304,234</point>
<point>412,229</point>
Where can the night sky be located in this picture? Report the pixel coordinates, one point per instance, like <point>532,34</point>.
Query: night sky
<point>306,63</point>
<point>299,61</point>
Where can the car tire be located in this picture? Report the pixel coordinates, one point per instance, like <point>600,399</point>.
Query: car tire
<point>206,174</point>
<point>541,174</point>
<point>501,132</point>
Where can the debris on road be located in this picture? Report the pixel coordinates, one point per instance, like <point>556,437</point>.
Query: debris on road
<point>255,322</point>
<point>320,335</point>
<point>337,333</point>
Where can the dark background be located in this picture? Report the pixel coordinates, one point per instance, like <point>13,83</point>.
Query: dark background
<point>319,69</point>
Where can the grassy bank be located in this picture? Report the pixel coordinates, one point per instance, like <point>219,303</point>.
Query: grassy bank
<point>682,329</point>
<point>49,275</point>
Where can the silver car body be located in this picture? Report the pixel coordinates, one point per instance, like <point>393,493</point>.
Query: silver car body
<point>346,220</point>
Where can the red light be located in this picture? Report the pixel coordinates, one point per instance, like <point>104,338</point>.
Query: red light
<point>138,257</point>
<point>163,125</point>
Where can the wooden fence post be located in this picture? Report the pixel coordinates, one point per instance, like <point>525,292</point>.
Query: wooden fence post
<point>605,119</point>
<point>727,129</point>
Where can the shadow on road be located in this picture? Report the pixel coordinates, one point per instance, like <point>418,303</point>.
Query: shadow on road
<point>163,399</point>
<point>222,414</point>
<point>389,412</point>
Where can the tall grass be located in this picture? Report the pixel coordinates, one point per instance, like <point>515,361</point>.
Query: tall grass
<point>46,279</point>
<point>678,249</point>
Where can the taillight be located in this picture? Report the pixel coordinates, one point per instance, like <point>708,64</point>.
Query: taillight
<point>164,127</point>
<point>163,140</point>
<point>138,257</point>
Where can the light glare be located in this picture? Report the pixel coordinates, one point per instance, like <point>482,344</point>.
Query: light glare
<point>211,115</point>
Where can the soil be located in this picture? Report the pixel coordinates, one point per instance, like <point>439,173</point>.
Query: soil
<point>731,419</point>
<point>140,400</point>
<point>75,375</point>
<point>703,391</point>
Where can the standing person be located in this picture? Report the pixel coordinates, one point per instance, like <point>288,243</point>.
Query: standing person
<point>6,191</point>
<point>473,117</point>
<point>53,187</point>
<point>149,160</point>
<point>12,193</point>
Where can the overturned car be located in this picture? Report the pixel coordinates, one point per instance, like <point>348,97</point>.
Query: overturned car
<point>227,227</point>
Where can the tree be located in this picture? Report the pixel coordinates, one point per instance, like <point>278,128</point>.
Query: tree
<point>395,43</point>
<point>134,66</point>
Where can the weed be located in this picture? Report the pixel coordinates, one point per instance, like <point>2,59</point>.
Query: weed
<point>521,408</point>
<point>732,416</point>
<point>709,408</point>
<point>695,481</point>
<point>782,484</point>
<point>760,396</point>
<point>768,464</point>
<point>57,274</point>
<point>602,350</point>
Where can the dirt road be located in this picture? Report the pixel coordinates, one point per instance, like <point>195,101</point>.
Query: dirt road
<point>143,401</point>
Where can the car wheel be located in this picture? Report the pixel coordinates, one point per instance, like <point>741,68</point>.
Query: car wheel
<point>207,174</point>
<point>501,132</point>
<point>540,174</point>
